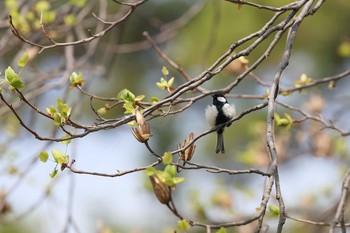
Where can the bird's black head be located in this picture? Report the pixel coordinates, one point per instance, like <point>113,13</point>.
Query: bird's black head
<point>219,99</point>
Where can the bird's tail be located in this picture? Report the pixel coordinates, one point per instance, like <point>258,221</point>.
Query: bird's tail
<point>220,143</point>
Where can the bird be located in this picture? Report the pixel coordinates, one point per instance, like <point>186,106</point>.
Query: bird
<point>219,112</point>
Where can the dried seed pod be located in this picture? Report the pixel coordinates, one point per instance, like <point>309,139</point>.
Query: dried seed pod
<point>143,132</point>
<point>161,190</point>
<point>186,155</point>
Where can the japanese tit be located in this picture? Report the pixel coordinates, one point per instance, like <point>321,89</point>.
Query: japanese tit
<point>218,113</point>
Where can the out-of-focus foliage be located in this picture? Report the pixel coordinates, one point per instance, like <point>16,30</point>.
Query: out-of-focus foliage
<point>120,64</point>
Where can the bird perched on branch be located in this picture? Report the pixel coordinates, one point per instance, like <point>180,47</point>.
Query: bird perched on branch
<point>219,113</point>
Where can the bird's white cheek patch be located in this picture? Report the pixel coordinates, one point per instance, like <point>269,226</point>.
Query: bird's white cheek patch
<point>221,99</point>
<point>211,113</point>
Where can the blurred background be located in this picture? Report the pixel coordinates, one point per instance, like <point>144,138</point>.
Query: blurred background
<point>194,34</point>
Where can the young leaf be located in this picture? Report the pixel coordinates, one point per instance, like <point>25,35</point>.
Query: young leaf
<point>23,60</point>
<point>53,173</point>
<point>167,158</point>
<point>139,98</point>
<point>78,3</point>
<point>66,142</point>
<point>283,122</point>
<point>59,157</point>
<point>42,6</point>
<point>12,78</point>
<point>154,99</point>
<point>102,111</point>
<point>126,95</point>
<point>177,180</point>
<point>274,210</point>
<point>221,230</point>
<point>150,171</point>
<point>162,84</point>
<point>129,108</point>
<point>171,170</point>
<point>43,156</point>
<point>183,225</point>
<point>69,20</point>
<point>170,82</point>
<point>344,49</point>
<point>165,71</point>
<point>76,79</point>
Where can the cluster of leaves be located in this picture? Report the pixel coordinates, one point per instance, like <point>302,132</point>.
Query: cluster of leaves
<point>76,79</point>
<point>11,77</point>
<point>58,156</point>
<point>59,114</point>
<point>163,83</point>
<point>130,101</point>
<point>41,10</point>
<point>168,175</point>
<point>286,122</point>
<point>303,81</point>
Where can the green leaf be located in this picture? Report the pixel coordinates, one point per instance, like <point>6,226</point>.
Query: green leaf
<point>344,49</point>
<point>167,158</point>
<point>76,79</point>
<point>288,117</point>
<point>283,122</point>
<point>78,3</point>
<point>12,78</point>
<point>129,108</point>
<point>63,109</point>
<point>58,119</point>
<point>170,82</point>
<point>171,170</point>
<point>102,111</point>
<point>177,180</point>
<point>59,157</point>
<point>221,230</point>
<point>154,99</point>
<point>162,84</point>
<point>303,80</point>
<point>23,60</point>
<point>61,114</point>
<point>42,6</point>
<point>183,225</point>
<point>274,210</point>
<point>66,142</point>
<point>340,146</point>
<point>49,16</point>
<point>11,5</point>
<point>51,111</point>
<point>150,171</point>
<point>165,177</point>
<point>165,71</point>
<point>43,156</point>
<point>139,98</point>
<point>53,173</point>
<point>126,95</point>
<point>69,19</point>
